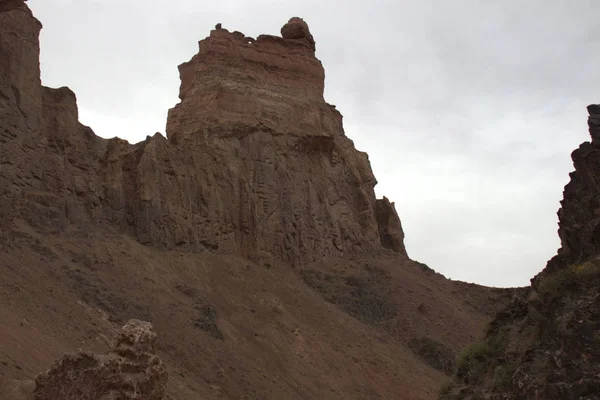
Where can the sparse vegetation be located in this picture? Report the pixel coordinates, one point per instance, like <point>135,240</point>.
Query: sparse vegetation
<point>207,321</point>
<point>366,301</point>
<point>474,354</point>
<point>554,284</point>
<point>435,354</point>
<point>590,269</point>
<point>363,297</point>
<point>476,359</point>
<point>562,308</point>
<point>573,275</point>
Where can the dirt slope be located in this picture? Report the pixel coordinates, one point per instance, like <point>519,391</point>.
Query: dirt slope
<point>227,328</point>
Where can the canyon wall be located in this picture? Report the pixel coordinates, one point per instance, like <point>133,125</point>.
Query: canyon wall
<point>256,162</point>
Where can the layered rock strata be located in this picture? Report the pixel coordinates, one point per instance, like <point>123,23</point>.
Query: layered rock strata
<point>256,162</point>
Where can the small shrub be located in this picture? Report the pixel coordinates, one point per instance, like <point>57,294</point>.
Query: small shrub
<point>573,275</point>
<point>477,358</point>
<point>207,321</point>
<point>555,283</point>
<point>434,353</point>
<point>473,354</point>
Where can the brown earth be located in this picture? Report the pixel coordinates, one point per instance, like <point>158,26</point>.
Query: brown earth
<point>227,327</point>
<point>251,238</point>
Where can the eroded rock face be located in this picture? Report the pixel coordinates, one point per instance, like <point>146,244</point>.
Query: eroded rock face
<point>256,128</point>
<point>256,162</point>
<point>20,85</point>
<point>390,228</point>
<point>129,371</point>
<point>579,215</point>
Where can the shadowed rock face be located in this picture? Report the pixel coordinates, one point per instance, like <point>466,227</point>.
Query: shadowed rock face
<point>129,371</point>
<point>579,215</point>
<point>256,162</point>
<point>20,85</point>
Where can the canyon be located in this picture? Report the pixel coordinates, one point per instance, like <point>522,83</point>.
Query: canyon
<point>245,249</point>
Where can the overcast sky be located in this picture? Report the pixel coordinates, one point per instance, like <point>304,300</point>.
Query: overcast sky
<point>469,110</point>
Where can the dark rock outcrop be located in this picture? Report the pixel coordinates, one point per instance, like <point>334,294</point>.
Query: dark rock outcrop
<point>256,162</point>
<point>434,354</point>
<point>594,122</point>
<point>579,215</point>
<point>129,371</point>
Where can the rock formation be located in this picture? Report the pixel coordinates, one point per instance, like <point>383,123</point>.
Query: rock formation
<point>256,162</point>
<point>579,215</point>
<point>20,86</point>
<point>255,165</point>
<point>129,371</point>
<point>390,228</point>
<point>546,344</point>
<point>297,29</point>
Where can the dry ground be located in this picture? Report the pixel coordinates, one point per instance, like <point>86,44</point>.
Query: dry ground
<point>229,328</point>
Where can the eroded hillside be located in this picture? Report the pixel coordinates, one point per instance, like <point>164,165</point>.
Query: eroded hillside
<point>251,237</point>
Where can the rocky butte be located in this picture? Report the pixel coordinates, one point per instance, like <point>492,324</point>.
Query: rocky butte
<point>250,237</point>
<point>256,162</point>
<point>297,188</point>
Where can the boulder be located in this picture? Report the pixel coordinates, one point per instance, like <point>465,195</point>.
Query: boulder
<point>130,371</point>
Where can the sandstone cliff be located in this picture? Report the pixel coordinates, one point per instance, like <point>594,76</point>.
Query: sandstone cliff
<point>256,162</point>
<point>546,343</point>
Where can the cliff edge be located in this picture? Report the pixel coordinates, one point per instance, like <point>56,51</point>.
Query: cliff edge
<point>256,162</point>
